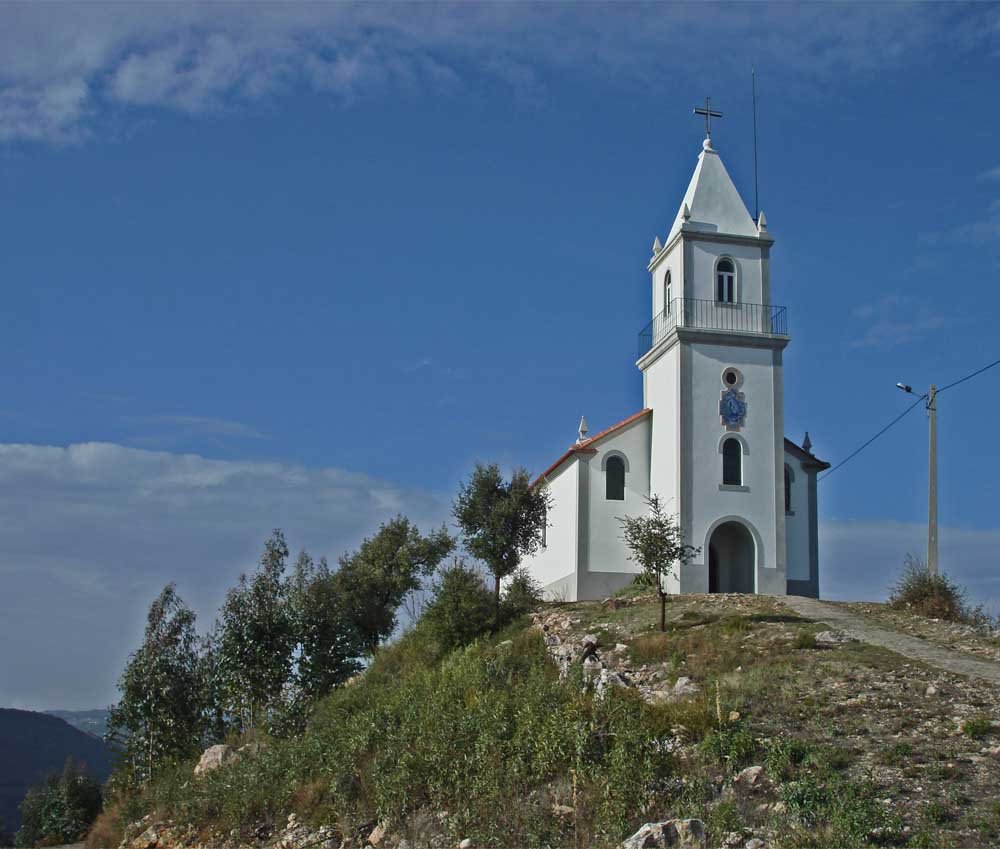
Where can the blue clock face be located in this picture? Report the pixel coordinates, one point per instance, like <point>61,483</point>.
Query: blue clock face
<point>732,408</point>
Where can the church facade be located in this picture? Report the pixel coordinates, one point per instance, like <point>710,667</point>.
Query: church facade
<point>709,440</point>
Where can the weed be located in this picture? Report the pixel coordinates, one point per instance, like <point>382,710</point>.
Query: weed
<point>977,727</point>
<point>936,813</point>
<point>897,754</point>
<point>784,756</point>
<point>731,744</point>
<point>933,595</point>
<point>805,640</point>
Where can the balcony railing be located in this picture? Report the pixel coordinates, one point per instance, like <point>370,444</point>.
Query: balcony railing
<point>756,319</point>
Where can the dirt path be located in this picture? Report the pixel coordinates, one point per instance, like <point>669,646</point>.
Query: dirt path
<point>911,647</point>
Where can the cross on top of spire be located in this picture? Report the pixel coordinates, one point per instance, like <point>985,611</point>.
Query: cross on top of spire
<point>709,114</point>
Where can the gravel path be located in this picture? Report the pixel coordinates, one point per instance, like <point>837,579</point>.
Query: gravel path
<point>911,647</point>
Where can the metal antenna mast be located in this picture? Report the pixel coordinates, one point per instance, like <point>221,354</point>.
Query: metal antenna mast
<point>756,199</point>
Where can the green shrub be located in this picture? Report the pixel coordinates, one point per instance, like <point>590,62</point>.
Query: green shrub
<point>934,596</point>
<point>896,755</point>
<point>784,756</point>
<point>977,727</point>
<point>522,595</point>
<point>461,608</point>
<point>731,744</point>
<point>59,810</point>
<point>805,640</point>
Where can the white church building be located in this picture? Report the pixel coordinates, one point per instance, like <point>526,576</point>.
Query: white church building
<point>709,440</point>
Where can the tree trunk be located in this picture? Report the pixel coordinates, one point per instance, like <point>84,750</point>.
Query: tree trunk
<point>496,598</point>
<point>663,610</point>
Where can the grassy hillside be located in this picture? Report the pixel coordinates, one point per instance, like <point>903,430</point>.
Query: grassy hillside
<point>34,745</point>
<point>737,715</point>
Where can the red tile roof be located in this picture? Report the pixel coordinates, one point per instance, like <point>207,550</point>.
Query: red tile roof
<point>587,446</point>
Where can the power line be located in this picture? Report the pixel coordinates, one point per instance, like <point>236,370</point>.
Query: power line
<point>861,448</point>
<point>968,376</point>
<point>870,441</point>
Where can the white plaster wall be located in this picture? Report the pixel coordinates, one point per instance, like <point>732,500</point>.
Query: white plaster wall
<point>797,525</point>
<point>708,504</point>
<point>607,551</point>
<point>700,272</point>
<point>558,559</point>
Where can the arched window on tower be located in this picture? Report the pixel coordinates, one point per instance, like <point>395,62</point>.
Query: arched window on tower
<point>732,463</point>
<point>725,281</point>
<point>614,479</point>
<point>667,294</point>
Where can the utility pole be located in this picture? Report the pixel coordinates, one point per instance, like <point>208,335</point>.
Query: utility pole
<point>932,519</point>
<point>932,525</point>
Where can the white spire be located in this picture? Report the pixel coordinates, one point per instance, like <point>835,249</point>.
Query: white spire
<point>711,202</point>
<point>761,222</point>
<point>582,430</point>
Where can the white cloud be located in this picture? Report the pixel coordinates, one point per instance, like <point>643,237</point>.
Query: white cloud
<point>200,425</point>
<point>60,66</point>
<point>90,532</point>
<point>894,320</point>
<point>991,174</point>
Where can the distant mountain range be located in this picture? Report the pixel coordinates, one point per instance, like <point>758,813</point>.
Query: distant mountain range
<point>34,745</point>
<point>92,721</point>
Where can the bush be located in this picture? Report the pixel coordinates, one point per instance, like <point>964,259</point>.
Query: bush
<point>461,608</point>
<point>59,810</point>
<point>977,727</point>
<point>934,596</point>
<point>521,596</point>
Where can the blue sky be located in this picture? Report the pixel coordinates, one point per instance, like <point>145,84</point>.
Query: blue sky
<point>303,265</point>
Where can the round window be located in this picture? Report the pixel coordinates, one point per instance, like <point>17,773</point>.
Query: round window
<point>731,378</point>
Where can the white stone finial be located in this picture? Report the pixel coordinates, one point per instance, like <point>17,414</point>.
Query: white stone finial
<point>685,212</point>
<point>707,145</point>
<point>657,247</point>
<point>582,430</point>
<point>761,222</point>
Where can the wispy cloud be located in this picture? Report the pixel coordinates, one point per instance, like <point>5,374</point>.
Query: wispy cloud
<point>65,68</point>
<point>862,559</point>
<point>991,174</point>
<point>90,532</point>
<point>893,320</point>
<point>200,426</point>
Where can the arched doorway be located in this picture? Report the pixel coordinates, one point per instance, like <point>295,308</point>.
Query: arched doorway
<point>731,559</point>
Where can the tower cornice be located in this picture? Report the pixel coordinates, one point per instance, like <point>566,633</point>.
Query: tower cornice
<point>690,234</point>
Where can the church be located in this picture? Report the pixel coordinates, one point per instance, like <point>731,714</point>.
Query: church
<point>709,439</point>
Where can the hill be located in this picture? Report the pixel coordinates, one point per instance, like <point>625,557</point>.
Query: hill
<point>33,745</point>
<point>93,722</point>
<point>574,729</point>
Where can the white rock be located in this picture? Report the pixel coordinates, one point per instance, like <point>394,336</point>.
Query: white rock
<point>377,835</point>
<point>466,843</point>
<point>752,776</point>
<point>754,843</point>
<point>684,686</point>
<point>670,834</point>
<point>215,756</point>
<point>834,638</point>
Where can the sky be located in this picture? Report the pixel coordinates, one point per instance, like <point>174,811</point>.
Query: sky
<point>302,265</point>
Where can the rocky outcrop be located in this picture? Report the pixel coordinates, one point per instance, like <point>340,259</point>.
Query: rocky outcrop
<point>670,834</point>
<point>215,756</point>
<point>605,667</point>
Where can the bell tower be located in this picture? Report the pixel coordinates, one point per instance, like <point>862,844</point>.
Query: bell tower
<point>711,362</point>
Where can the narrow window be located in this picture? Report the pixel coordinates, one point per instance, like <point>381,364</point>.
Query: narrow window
<point>614,479</point>
<point>666,294</point>
<point>725,276</point>
<point>732,463</point>
<point>788,489</point>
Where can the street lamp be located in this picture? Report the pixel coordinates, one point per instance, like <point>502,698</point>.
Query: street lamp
<point>932,523</point>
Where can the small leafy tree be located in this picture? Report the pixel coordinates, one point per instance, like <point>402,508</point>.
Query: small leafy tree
<point>256,638</point>
<point>159,716</point>
<point>657,545</point>
<point>59,810</point>
<point>461,607</point>
<point>521,595</point>
<point>502,521</point>
<point>328,643</point>
<point>374,581</point>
